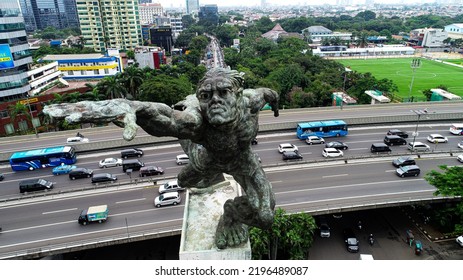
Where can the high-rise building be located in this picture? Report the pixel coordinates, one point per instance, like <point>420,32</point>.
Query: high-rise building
<point>209,13</point>
<point>40,14</point>
<point>15,56</point>
<point>148,12</point>
<point>192,6</point>
<point>109,24</point>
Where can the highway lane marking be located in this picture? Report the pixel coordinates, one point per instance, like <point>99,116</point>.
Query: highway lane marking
<point>390,170</point>
<point>273,182</point>
<point>80,234</point>
<point>59,211</point>
<point>132,200</point>
<point>353,197</point>
<point>337,175</point>
<point>347,186</point>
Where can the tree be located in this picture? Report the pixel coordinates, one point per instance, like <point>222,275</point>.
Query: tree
<point>111,87</point>
<point>132,78</point>
<point>165,89</point>
<point>18,109</point>
<point>226,33</point>
<point>449,183</point>
<point>187,21</point>
<point>290,237</point>
<point>81,42</point>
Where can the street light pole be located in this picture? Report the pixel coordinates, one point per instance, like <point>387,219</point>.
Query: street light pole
<point>416,63</point>
<point>419,113</point>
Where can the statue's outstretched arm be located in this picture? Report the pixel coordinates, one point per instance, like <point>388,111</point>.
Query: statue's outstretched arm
<point>260,96</point>
<point>122,112</point>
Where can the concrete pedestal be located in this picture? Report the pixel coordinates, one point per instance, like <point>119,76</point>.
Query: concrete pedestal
<point>200,219</point>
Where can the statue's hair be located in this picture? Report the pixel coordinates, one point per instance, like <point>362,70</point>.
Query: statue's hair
<point>234,76</point>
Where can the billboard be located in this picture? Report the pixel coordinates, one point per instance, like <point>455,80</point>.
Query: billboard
<point>6,59</point>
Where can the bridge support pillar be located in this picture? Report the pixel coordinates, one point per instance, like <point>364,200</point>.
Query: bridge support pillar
<point>201,216</point>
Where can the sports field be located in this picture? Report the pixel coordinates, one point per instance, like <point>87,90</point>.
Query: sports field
<point>430,75</point>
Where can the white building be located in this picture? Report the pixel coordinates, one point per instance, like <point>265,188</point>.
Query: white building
<point>43,75</point>
<point>434,38</point>
<point>455,31</point>
<point>148,12</point>
<point>343,51</point>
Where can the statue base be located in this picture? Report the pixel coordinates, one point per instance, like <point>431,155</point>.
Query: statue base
<point>203,208</point>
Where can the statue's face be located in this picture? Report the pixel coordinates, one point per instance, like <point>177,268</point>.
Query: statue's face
<point>218,101</point>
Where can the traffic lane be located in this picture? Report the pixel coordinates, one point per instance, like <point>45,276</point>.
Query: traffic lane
<point>353,173</point>
<point>138,213</point>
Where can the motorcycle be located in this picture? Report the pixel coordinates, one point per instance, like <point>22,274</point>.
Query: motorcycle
<point>360,225</point>
<point>371,240</point>
<point>79,135</point>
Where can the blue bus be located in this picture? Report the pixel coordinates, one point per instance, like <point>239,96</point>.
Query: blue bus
<point>42,158</point>
<point>333,128</point>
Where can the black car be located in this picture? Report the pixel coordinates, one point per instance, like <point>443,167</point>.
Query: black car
<point>403,161</point>
<point>352,243</point>
<point>150,171</point>
<point>398,132</point>
<point>292,156</point>
<point>1,177</point>
<point>254,141</point>
<point>337,145</point>
<point>103,177</point>
<point>133,152</point>
<point>78,173</point>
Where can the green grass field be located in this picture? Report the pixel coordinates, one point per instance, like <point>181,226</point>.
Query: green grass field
<point>430,75</point>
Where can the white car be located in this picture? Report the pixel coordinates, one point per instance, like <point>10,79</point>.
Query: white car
<point>460,240</point>
<point>460,158</point>
<point>110,162</point>
<point>437,138</point>
<point>314,140</point>
<point>77,139</point>
<point>460,145</point>
<point>332,152</point>
<point>287,147</point>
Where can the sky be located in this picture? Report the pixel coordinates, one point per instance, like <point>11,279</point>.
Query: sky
<point>181,3</point>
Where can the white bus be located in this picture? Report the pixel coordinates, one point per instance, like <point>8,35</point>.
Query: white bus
<point>456,128</point>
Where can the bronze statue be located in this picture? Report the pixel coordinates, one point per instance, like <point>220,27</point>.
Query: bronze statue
<point>215,128</point>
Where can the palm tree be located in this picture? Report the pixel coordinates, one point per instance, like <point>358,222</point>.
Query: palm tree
<point>132,78</point>
<point>362,40</point>
<point>111,87</point>
<point>81,42</point>
<point>18,109</point>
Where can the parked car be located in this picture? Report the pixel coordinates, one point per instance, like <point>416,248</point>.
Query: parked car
<point>403,161</point>
<point>78,173</point>
<point>77,139</point>
<point>332,152</point>
<point>398,132</point>
<point>132,152</point>
<point>437,138</point>
<point>418,147</point>
<point>337,145</point>
<point>460,158</point>
<point>292,155</point>
<point>351,241</point>
<point>171,186</point>
<point>103,177</point>
<point>314,140</point>
<point>170,198</point>
<point>110,162</point>
<point>408,170</point>
<point>150,171</point>
<point>323,227</point>
<point>460,145</point>
<point>63,169</point>
<point>287,147</point>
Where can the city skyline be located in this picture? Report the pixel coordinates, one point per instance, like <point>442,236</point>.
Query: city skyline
<point>254,3</point>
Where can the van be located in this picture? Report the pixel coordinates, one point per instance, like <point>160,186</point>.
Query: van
<point>408,170</point>
<point>133,164</point>
<point>418,147</point>
<point>380,148</point>
<point>182,159</point>
<point>170,198</point>
<point>35,185</point>
<point>133,152</point>
<point>78,173</point>
<point>392,140</point>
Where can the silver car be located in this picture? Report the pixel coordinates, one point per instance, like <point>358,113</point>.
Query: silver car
<point>170,198</point>
<point>314,140</point>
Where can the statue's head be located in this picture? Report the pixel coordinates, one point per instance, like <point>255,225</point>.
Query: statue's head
<point>219,94</point>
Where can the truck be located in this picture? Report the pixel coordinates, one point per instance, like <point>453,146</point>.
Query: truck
<point>93,214</point>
